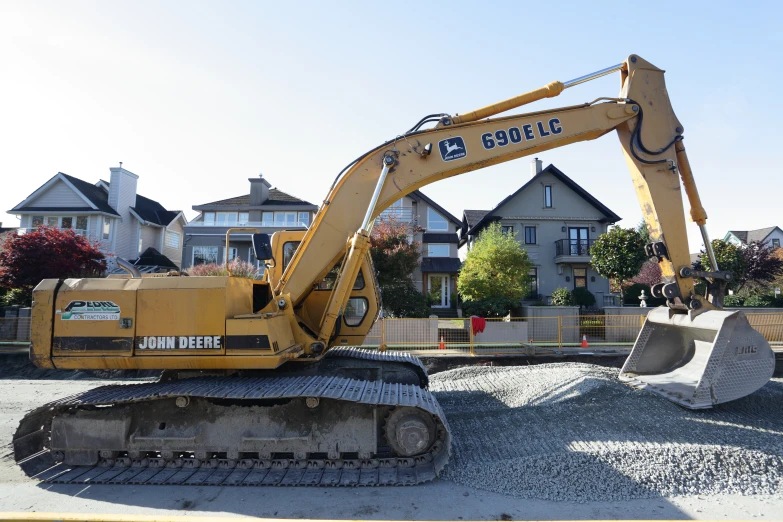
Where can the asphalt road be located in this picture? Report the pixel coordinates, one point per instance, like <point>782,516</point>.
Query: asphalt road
<point>440,500</point>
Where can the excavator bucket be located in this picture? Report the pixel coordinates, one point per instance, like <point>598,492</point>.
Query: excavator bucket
<point>699,361</point>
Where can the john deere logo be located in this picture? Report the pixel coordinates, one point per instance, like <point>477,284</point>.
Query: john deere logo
<point>452,148</point>
<point>91,311</point>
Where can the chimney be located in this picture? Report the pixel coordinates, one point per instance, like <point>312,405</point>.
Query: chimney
<point>122,190</point>
<point>259,190</point>
<point>535,167</point>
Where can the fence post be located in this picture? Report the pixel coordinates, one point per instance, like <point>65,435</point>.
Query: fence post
<point>470,329</point>
<point>559,331</point>
<point>382,346</point>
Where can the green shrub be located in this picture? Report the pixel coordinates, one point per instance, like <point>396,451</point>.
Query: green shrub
<point>733,300</point>
<point>583,297</point>
<point>17,297</point>
<point>404,300</point>
<point>498,306</point>
<point>563,297</point>
<point>759,301</point>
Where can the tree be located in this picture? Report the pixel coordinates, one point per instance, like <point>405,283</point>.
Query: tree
<point>618,254</point>
<point>762,266</point>
<point>563,297</point>
<point>395,258</point>
<point>47,253</point>
<point>496,266</point>
<point>729,257</point>
<point>643,231</point>
<point>583,297</point>
<point>650,274</point>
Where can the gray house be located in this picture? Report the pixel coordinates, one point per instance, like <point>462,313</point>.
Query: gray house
<point>110,213</point>
<point>557,222</point>
<point>265,208</point>
<point>436,233</point>
<point>770,236</point>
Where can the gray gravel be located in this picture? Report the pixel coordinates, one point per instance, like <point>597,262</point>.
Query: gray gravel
<point>574,432</point>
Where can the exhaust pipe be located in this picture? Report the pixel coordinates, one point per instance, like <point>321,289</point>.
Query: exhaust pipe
<point>128,267</point>
<point>700,361</point>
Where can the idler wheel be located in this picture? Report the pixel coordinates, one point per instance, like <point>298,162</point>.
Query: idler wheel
<point>410,432</point>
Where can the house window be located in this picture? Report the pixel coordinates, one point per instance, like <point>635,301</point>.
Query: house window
<point>776,243</point>
<point>281,219</point>
<point>533,273</point>
<point>232,254</point>
<point>106,227</point>
<point>81,222</point>
<point>530,235</point>
<point>209,218</point>
<point>507,229</point>
<point>67,222</point>
<point>203,255</point>
<point>437,250</point>
<point>580,277</point>
<point>139,246</point>
<point>435,221</point>
<point>304,219</point>
<point>243,218</point>
<point>548,196</point>
<point>226,219</point>
<point>38,221</point>
<point>52,222</point>
<point>172,239</point>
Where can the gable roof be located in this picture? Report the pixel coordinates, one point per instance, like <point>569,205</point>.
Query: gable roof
<point>418,195</point>
<point>472,217</point>
<point>276,197</point>
<point>92,194</point>
<point>153,212</point>
<point>610,216</point>
<point>747,236</point>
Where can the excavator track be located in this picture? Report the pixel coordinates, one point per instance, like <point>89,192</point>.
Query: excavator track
<point>403,359</point>
<point>385,413</point>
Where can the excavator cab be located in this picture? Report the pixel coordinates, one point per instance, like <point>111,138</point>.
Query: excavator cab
<point>701,360</point>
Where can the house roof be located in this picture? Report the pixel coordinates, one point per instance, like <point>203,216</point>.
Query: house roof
<point>276,197</point>
<point>151,257</point>
<point>92,193</point>
<point>432,237</point>
<point>153,212</point>
<point>419,195</point>
<point>747,236</point>
<point>440,264</point>
<point>472,217</point>
<point>610,216</point>
<point>95,194</point>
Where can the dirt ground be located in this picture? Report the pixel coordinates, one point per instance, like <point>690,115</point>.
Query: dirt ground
<point>439,500</point>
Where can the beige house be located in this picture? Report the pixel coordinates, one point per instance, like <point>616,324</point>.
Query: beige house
<point>123,223</point>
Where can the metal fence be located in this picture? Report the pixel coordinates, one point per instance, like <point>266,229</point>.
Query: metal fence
<point>524,336</point>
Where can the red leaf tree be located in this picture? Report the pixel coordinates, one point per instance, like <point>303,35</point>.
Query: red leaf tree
<point>47,253</point>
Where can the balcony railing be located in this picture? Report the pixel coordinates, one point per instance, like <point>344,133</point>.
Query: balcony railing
<point>251,224</point>
<point>404,215</point>
<point>573,247</point>
<point>92,235</point>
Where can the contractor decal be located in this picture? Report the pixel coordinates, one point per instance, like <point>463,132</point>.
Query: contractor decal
<point>91,311</point>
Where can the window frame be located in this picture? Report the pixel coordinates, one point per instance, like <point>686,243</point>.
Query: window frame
<point>534,235</point>
<point>507,229</point>
<point>171,233</point>
<point>429,221</point>
<point>533,285</point>
<point>106,228</point>
<point>227,254</point>
<point>573,273</point>
<point>306,221</point>
<point>549,200</point>
<point>430,245</point>
<point>200,247</point>
<point>366,311</point>
<point>775,240</point>
<point>208,222</point>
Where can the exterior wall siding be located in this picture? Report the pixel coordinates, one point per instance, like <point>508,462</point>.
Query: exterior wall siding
<point>122,196</point>
<point>59,195</point>
<point>150,237</point>
<point>175,254</point>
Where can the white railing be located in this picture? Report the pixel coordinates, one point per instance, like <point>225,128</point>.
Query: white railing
<point>257,224</point>
<point>404,215</point>
<point>92,235</point>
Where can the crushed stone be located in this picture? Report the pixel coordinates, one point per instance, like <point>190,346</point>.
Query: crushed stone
<point>573,432</point>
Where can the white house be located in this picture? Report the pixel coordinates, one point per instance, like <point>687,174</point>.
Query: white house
<point>111,213</point>
<point>770,236</point>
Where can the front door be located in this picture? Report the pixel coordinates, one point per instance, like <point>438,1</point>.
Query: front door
<point>578,240</point>
<point>439,289</point>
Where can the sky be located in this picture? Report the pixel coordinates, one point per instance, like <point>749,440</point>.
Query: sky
<point>196,97</point>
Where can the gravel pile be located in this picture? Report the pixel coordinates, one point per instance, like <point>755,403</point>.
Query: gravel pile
<point>573,432</point>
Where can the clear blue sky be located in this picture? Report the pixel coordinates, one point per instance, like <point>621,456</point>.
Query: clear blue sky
<point>195,97</point>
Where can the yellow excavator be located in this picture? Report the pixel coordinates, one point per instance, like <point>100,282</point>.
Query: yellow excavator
<point>261,383</point>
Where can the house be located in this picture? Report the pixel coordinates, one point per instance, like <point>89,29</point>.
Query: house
<point>770,236</point>
<point>111,213</point>
<point>556,221</point>
<point>265,208</point>
<point>436,232</point>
